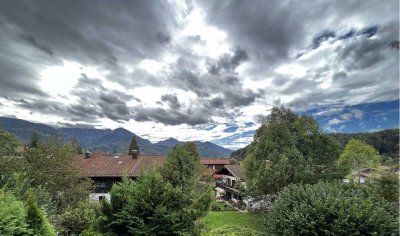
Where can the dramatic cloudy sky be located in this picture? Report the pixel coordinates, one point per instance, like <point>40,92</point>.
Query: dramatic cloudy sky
<point>199,70</point>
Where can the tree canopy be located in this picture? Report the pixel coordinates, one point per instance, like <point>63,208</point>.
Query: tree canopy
<point>288,149</point>
<point>358,156</point>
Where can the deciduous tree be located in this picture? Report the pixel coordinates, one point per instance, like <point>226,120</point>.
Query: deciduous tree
<point>358,156</point>
<point>288,149</point>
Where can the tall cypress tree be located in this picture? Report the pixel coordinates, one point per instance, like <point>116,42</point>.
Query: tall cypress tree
<point>133,146</point>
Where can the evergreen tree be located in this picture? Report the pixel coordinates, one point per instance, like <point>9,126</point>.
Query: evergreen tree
<point>12,215</point>
<point>191,148</point>
<point>35,140</point>
<point>75,145</point>
<point>36,218</point>
<point>166,202</point>
<point>133,146</point>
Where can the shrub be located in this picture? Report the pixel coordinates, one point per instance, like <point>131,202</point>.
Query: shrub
<point>36,218</point>
<point>330,209</point>
<point>387,186</point>
<point>12,215</point>
<point>76,220</point>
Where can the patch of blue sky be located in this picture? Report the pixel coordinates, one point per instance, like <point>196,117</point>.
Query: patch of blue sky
<point>249,124</point>
<point>235,139</point>
<point>230,128</point>
<point>366,117</point>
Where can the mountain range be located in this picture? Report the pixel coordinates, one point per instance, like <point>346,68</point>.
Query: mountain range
<point>105,140</point>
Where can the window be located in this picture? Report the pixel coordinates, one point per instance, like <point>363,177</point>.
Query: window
<point>101,184</point>
<point>101,198</point>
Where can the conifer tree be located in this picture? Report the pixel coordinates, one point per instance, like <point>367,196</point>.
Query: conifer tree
<point>36,218</point>
<point>75,144</point>
<point>166,203</point>
<point>133,146</point>
<point>35,140</point>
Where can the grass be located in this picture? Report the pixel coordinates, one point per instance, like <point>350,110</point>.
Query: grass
<point>221,205</point>
<point>216,219</point>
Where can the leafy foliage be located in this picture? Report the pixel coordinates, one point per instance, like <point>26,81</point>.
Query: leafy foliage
<point>48,170</point>
<point>330,209</point>
<point>387,185</point>
<point>76,219</point>
<point>53,166</point>
<point>358,155</point>
<point>8,144</point>
<point>288,149</point>
<point>12,215</point>
<point>385,141</point>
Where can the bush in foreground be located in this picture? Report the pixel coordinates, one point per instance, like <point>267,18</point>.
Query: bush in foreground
<point>12,215</point>
<point>330,209</point>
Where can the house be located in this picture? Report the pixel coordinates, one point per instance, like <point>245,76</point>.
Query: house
<point>229,176</point>
<point>106,169</point>
<point>214,163</point>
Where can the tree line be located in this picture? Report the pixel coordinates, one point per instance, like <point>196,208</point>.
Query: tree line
<point>385,141</point>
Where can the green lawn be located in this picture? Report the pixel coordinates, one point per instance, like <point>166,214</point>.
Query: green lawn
<point>221,205</point>
<point>216,219</point>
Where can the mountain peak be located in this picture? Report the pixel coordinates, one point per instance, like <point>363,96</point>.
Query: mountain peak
<point>170,142</point>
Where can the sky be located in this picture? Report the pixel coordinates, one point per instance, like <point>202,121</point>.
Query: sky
<point>199,70</point>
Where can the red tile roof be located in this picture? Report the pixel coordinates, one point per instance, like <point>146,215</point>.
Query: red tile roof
<point>144,163</point>
<point>116,166</point>
<point>105,165</point>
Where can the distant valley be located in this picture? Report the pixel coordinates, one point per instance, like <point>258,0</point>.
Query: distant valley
<point>105,140</point>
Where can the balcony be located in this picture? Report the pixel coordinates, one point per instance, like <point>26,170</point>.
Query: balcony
<point>226,187</point>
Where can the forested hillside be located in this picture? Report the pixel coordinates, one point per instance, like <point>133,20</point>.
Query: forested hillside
<point>385,141</point>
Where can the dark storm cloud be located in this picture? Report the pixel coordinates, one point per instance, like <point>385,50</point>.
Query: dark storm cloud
<point>227,63</point>
<point>93,33</point>
<point>16,77</point>
<point>31,40</point>
<point>170,116</point>
<point>76,125</point>
<point>362,54</point>
<point>171,100</point>
<point>267,28</point>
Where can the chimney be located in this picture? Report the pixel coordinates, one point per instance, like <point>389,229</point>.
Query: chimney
<point>87,154</point>
<point>134,154</point>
